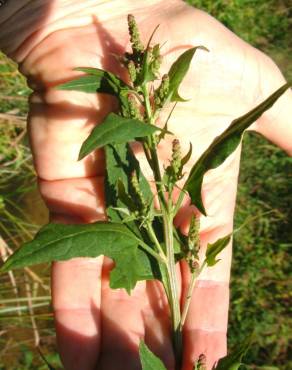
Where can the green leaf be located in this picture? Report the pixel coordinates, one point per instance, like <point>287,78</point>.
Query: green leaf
<point>234,359</point>
<point>96,80</point>
<point>148,360</point>
<point>187,157</point>
<point>215,248</point>
<point>120,164</point>
<point>115,129</point>
<point>178,71</point>
<point>222,146</point>
<point>146,74</point>
<point>57,242</point>
<point>87,84</point>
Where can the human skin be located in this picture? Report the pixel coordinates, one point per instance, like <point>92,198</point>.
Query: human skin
<point>100,328</point>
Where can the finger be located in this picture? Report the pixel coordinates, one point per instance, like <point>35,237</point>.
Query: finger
<point>76,283</point>
<point>126,319</point>
<point>206,323</point>
<point>76,304</point>
<point>269,79</point>
<point>122,324</point>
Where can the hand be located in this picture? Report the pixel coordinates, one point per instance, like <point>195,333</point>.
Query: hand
<point>96,326</point>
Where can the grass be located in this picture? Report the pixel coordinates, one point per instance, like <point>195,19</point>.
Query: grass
<point>260,297</point>
<point>25,312</point>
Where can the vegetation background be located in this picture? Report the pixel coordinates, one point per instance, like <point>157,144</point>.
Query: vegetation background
<point>260,297</point>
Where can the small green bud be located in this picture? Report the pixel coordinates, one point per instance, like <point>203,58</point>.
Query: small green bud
<point>138,196</point>
<point>173,172</point>
<point>176,157</point>
<point>193,244</point>
<point>132,71</point>
<point>161,93</point>
<point>156,59</point>
<point>136,43</point>
<point>202,362</point>
<point>134,110</point>
<point>194,236</point>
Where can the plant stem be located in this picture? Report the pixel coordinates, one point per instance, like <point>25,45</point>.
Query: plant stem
<point>174,301</point>
<point>155,241</point>
<point>179,202</point>
<point>171,285</point>
<point>151,251</point>
<point>191,287</point>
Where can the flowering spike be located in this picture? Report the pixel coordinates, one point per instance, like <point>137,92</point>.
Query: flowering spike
<point>193,236</point>
<point>136,43</point>
<point>134,110</point>
<point>161,93</point>
<point>132,71</point>
<point>139,198</point>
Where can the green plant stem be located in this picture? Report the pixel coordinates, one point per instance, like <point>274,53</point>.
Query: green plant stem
<point>154,158</point>
<point>166,208</point>
<point>179,202</point>
<point>153,237</point>
<point>151,251</point>
<point>174,301</point>
<point>191,287</point>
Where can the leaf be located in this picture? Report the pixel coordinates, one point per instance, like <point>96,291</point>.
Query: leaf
<point>120,164</point>
<point>148,360</point>
<point>187,157</point>
<point>222,146</point>
<point>178,71</point>
<point>214,249</point>
<point>58,242</point>
<point>234,360</point>
<point>87,84</point>
<point>146,74</point>
<point>96,80</point>
<point>115,129</point>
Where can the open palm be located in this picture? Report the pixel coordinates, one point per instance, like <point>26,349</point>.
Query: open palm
<point>98,328</point>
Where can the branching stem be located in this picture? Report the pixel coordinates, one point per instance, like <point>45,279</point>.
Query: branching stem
<point>157,256</point>
<point>167,215</point>
<point>191,287</point>
<point>153,237</point>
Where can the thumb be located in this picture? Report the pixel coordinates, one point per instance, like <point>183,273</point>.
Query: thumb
<point>275,123</point>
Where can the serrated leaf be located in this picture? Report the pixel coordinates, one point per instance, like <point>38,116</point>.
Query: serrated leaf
<point>178,71</point>
<point>58,242</point>
<point>115,129</point>
<point>234,359</point>
<point>214,249</point>
<point>224,145</point>
<point>96,80</point>
<point>148,360</point>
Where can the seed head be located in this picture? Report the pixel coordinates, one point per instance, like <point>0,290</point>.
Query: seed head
<point>161,93</point>
<point>132,71</point>
<point>193,236</point>
<point>138,195</point>
<point>134,110</point>
<point>136,43</point>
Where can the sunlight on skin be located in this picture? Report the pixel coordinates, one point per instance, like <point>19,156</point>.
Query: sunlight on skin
<point>93,322</point>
